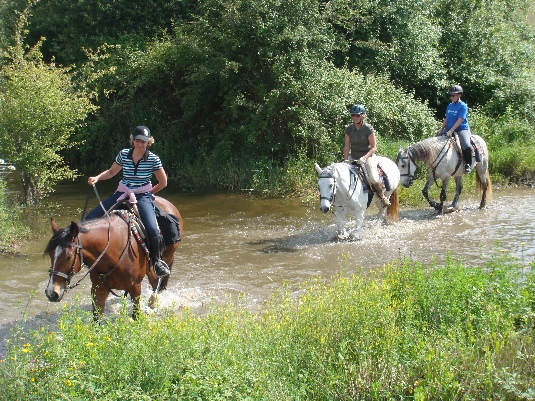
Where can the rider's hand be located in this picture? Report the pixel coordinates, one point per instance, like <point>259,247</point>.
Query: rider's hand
<point>362,161</point>
<point>92,180</point>
<point>449,133</point>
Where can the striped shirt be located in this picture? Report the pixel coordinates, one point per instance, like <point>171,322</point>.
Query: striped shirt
<point>136,176</point>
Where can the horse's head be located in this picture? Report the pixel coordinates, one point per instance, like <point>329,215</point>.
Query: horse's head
<point>406,166</point>
<point>327,187</point>
<point>64,249</point>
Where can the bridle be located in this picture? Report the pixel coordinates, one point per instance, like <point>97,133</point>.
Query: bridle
<point>408,159</point>
<point>332,198</point>
<point>79,252</point>
<point>68,276</point>
<point>326,175</point>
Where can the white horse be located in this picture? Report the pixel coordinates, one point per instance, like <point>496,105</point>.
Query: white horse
<point>443,158</point>
<point>340,188</point>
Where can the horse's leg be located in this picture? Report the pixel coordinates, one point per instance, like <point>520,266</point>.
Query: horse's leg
<point>483,183</point>
<point>425,192</point>
<point>458,190</point>
<point>381,210</point>
<point>99,294</point>
<point>356,233</point>
<point>341,216</point>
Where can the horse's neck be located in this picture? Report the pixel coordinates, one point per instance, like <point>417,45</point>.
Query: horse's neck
<point>342,176</point>
<point>103,235</point>
<point>427,150</point>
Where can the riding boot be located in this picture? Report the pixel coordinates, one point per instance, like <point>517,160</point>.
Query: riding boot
<point>160,267</point>
<point>378,188</point>
<point>467,156</point>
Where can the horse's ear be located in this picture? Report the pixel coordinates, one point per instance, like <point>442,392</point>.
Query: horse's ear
<point>74,230</point>
<point>400,149</point>
<point>55,227</point>
<point>318,168</point>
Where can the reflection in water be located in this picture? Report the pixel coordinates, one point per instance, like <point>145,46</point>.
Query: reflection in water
<point>238,245</point>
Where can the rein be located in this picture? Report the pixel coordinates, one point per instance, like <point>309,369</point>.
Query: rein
<point>79,251</point>
<point>441,155</point>
<point>332,198</point>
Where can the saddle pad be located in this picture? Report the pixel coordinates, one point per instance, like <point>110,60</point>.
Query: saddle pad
<point>476,149</point>
<point>356,170</point>
<point>168,223</point>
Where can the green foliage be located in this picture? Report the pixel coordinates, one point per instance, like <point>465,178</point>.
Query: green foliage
<point>40,107</point>
<point>406,331</point>
<point>12,231</point>
<point>240,84</point>
<point>39,112</point>
<point>511,144</point>
<point>487,46</point>
<point>71,27</point>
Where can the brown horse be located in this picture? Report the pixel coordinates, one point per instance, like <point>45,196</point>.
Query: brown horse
<point>115,259</point>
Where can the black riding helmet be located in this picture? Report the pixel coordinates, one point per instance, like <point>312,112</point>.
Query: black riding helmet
<point>456,89</point>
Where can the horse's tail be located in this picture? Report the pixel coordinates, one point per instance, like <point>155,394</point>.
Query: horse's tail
<point>392,212</point>
<point>479,186</point>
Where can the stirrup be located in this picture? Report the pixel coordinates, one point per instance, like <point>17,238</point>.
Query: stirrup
<point>161,269</point>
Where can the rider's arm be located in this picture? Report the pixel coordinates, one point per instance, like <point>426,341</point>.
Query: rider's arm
<point>454,127</point>
<point>441,127</point>
<point>161,176</point>
<point>346,147</point>
<point>373,146</point>
<point>106,174</point>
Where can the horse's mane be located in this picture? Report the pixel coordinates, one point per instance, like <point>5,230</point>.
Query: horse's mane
<point>428,148</point>
<point>337,167</point>
<point>61,238</point>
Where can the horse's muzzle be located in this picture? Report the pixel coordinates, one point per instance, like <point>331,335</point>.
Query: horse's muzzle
<point>53,296</point>
<point>325,207</point>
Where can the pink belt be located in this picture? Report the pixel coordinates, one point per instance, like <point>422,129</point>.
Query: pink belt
<point>131,193</point>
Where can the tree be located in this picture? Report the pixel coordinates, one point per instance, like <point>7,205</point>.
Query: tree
<point>40,108</point>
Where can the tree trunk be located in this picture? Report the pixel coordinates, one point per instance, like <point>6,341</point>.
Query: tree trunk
<point>29,190</point>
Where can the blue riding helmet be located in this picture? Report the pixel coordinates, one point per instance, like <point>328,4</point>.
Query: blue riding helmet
<point>357,109</point>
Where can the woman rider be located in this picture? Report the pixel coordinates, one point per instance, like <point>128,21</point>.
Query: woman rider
<point>138,165</point>
<point>456,120</point>
<point>361,141</point>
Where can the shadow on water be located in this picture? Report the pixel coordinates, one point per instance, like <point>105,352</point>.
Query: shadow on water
<point>292,243</point>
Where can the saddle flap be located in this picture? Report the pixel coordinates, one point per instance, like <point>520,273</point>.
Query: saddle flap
<point>358,171</point>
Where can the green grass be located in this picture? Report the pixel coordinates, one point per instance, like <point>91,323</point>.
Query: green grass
<point>405,332</point>
<point>12,230</point>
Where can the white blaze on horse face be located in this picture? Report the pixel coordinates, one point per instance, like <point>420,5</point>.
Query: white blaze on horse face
<point>326,188</point>
<point>52,286</point>
<point>404,166</point>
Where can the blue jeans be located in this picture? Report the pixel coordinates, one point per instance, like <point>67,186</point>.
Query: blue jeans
<point>145,207</point>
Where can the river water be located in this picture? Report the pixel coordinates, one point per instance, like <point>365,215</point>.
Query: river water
<point>240,245</point>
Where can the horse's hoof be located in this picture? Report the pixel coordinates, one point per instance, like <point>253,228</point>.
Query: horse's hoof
<point>153,301</point>
<point>449,209</point>
<point>342,237</point>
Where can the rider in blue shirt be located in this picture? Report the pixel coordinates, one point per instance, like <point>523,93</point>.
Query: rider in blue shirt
<point>456,120</point>
<point>138,165</point>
